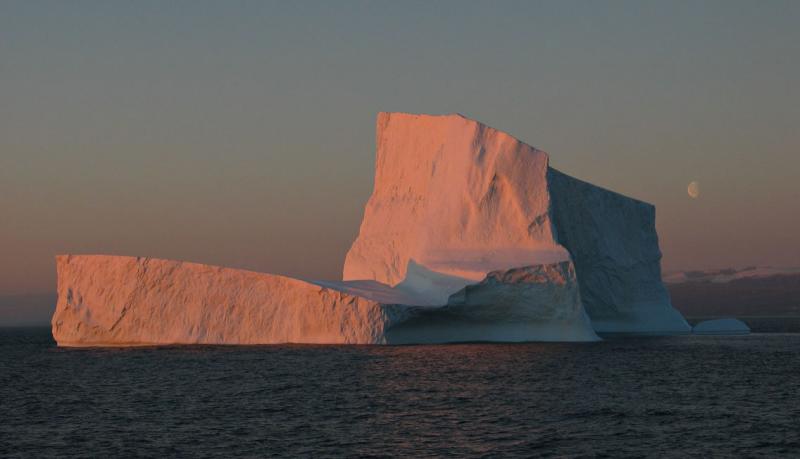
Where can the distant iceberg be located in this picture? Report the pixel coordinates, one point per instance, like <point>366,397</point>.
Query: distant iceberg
<point>469,235</point>
<point>721,327</point>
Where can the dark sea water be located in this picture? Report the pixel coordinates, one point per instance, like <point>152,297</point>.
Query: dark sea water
<point>678,396</point>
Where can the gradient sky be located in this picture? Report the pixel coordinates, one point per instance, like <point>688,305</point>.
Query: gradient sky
<point>242,133</point>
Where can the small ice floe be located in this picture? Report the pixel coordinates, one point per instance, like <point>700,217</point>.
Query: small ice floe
<point>721,327</point>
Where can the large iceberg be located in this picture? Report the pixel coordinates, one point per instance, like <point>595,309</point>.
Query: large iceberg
<point>469,235</point>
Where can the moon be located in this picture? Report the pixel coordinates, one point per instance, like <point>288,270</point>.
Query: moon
<point>694,190</point>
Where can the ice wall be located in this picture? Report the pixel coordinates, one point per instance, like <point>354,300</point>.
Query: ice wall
<point>117,301</point>
<point>613,242</point>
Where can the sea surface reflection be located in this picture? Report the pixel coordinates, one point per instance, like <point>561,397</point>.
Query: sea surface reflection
<point>657,396</point>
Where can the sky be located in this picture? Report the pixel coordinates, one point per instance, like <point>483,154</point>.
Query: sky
<point>242,133</point>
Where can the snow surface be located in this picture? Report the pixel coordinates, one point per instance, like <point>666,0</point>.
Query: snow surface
<point>468,235</point>
<point>721,327</point>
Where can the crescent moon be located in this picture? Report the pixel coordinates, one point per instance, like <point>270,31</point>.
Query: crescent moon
<point>694,190</point>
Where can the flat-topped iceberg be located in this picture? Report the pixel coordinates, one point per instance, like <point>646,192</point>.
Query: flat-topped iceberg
<point>469,235</point>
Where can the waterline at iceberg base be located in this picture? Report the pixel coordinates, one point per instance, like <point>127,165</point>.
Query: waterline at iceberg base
<point>469,235</point>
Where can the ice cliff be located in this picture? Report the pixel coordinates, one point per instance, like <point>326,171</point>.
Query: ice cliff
<point>468,235</point>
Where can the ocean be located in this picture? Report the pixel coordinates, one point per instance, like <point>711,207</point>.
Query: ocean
<point>675,396</point>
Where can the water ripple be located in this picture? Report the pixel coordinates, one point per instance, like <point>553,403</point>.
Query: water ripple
<point>699,396</point>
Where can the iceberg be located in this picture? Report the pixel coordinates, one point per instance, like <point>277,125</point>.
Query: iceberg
<point>721,327</point>
<point>469,235</point>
